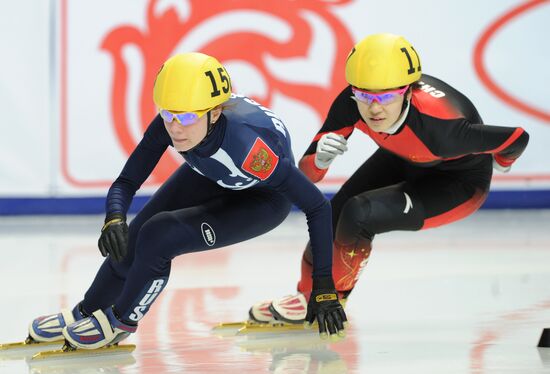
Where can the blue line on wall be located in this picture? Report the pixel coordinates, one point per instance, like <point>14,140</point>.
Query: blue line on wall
<point>509,199</point>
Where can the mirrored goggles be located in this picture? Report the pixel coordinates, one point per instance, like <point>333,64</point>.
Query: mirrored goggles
<point>184,118</point>
<point>385,97</point>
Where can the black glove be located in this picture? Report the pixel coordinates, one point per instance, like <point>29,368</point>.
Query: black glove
<point>324,307</point>
<point>114,237</point>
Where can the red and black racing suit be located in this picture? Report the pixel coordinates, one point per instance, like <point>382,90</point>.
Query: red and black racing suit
<point>434,170</point>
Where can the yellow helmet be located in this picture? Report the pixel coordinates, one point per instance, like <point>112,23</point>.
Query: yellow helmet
<point>191,82</point>
<point>382,61</point>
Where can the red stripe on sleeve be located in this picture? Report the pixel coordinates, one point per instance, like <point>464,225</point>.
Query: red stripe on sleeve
<point>307,166</point>
<point>503,161</point>
<point>516,134</point>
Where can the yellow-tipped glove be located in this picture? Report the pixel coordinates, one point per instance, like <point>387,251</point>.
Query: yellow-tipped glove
<point>324,307</point>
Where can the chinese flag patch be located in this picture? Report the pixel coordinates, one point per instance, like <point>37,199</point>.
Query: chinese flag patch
<point>261,161</point>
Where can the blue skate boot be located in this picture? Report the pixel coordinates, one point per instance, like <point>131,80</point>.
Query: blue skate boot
<point>49,328</point>
<point>101,329</point>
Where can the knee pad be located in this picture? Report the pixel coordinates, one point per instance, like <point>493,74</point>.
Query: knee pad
<point>163,237</point>
<point>354,220</point>
<point>382,210</point>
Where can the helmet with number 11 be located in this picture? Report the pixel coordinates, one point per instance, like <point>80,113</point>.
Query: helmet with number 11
<point>191,83</point>
<point>382,62</point>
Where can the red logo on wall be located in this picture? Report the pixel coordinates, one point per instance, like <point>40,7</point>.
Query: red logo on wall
<point>479,60</point>
<point>166,29</point>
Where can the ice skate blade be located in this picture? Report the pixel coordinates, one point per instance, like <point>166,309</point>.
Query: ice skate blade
<point>232,325</point>
<point>24,350</point>
<point>252,327</point>
<point>240,324</point>
<point>271,327</point>
<point>28,344</point>
<point>81,353</point>
<point>225,329</point>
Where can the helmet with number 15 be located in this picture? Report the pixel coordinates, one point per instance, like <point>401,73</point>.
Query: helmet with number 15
<point>191,82</point>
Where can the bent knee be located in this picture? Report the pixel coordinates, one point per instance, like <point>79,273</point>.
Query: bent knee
<point>163,235</point>
<point>355,213</point>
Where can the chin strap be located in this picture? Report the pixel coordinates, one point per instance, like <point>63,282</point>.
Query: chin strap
<point>210,125</point>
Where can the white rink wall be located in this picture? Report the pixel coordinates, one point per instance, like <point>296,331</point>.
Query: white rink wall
<point>76,76</point>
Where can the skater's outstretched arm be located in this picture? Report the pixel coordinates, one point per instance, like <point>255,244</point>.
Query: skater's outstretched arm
<point>323,305</point>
